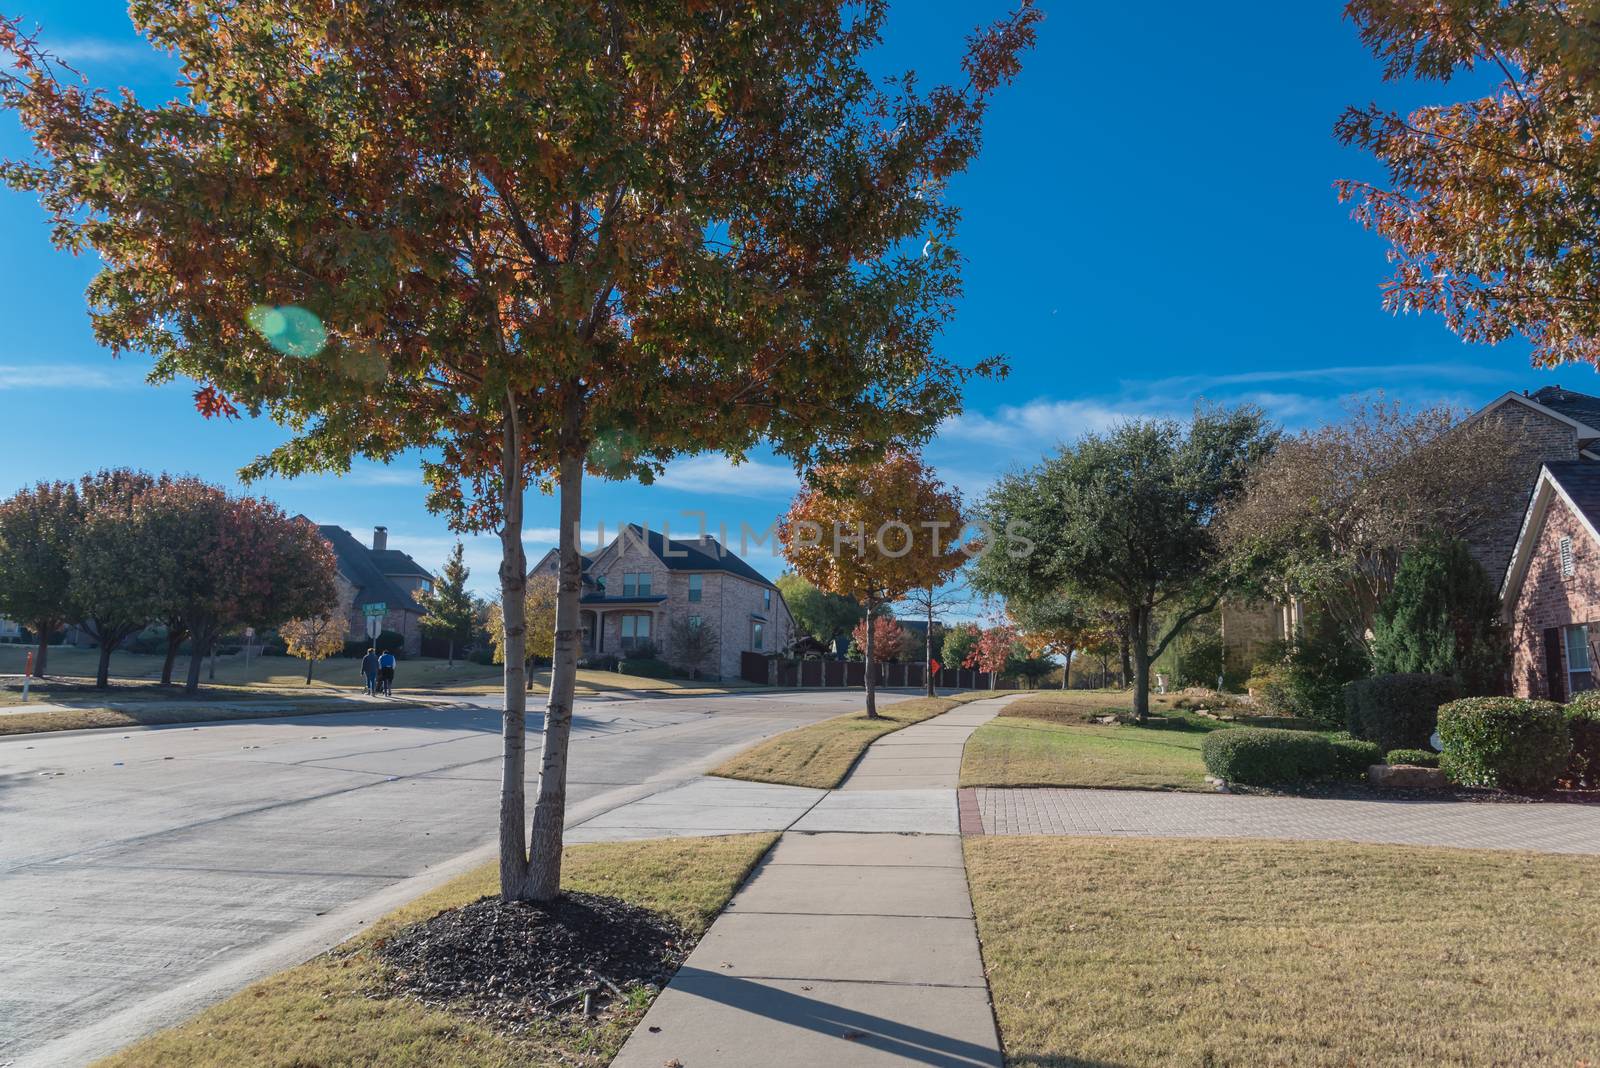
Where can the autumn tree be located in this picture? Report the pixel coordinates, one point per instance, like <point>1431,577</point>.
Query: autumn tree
<point>540,597</point>
<point>116,562</point>
<point>37,526</point>
<point>1331,514</point>
<point>871,532</point>
<point>887,639</point>
<point>314,638</point>
<point>995,648</point>
<point>818,613</point>
<point>448,606</point>
<point>959,642</point>
<point>1128,519</point>
<point>1053,626</point>
<point>533,238</point>
<point>1490,200</point>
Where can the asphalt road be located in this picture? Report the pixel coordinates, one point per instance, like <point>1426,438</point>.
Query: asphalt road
<point>146,872</point>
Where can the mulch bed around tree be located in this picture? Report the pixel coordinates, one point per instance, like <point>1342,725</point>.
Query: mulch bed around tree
<point>512,963</point>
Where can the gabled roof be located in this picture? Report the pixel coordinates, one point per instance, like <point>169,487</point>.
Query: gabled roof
<point>1574,482</point>
<point>358,565</point>
<point>698,554</point>
<point>1566,408</point>
<point>394,562</point>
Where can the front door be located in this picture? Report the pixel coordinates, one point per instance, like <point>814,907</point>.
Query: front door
<point>1554,670</point>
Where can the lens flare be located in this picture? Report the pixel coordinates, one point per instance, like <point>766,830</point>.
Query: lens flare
<point>291,330</point>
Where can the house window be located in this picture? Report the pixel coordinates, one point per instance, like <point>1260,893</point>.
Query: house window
<point>758,636</point>
<point>1567,567</point>
<point>1579,677</point>
<point>694,622</point>
<point>600,581</point>
<point>696,583</point>
<point>635,631</point>
<point>766,600</point>
<point>636,584</point>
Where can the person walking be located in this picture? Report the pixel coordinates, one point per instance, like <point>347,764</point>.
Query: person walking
<point>369,668</point>
<point>386,672</point>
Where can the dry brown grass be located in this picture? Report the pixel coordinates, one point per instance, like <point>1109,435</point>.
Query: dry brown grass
<point>336,1012</point>
<point>820,755</point>
<point>1135,952</point>
<point>76,719</point>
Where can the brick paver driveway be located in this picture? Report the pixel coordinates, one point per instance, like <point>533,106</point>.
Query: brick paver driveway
<point>1547,828</point>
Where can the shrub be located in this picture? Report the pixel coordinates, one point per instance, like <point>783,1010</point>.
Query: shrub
<point>1353,756</point>
<point>1442,618</point>
<point>1418,758</point>
<point>482,655</point>
<point>1397,711</point>
<point>645,667</point>
<point>1264,756</point>
<point>392,642</point>
<point>1583,731</point>
<point>1508,742</point>
<point>605,662</point>
<point>1305,679</point>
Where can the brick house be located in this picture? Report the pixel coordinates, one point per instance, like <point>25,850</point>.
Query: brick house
<point>1551,596</point>
<point>378,574</point>
<point>642,584</point>
<point>1558,426</point>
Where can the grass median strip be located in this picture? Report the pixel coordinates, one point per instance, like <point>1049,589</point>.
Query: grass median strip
<point>1155,952</point>
<point>339,1010</point>
<point>77,719</point>
<point>820,755</point>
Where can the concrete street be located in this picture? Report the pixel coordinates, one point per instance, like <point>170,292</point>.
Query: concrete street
<point>147,872</point>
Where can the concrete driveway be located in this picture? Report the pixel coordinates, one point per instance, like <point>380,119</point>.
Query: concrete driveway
<point>148,872</point>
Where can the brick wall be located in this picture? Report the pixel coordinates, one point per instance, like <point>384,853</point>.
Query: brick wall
<point>406,624</point>
<point>1545,439</point>
<point>1550,599</point>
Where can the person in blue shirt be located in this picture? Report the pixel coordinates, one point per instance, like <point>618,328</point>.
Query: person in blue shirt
<point>386,672</point>
<point>369,668</point>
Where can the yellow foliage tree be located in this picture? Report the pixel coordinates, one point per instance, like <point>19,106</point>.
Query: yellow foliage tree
<point>539,604</point>
<point>314,638</point>
<point>874,532</point>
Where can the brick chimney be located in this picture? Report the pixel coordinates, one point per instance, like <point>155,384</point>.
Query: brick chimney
<point>380,539</point>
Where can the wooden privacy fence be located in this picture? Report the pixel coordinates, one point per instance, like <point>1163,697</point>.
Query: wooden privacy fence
<point>776,671</point>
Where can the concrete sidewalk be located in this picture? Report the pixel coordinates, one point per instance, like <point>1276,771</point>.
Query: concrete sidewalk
<point>852,944</point>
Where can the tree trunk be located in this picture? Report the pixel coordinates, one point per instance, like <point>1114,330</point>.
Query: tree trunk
<point>452,654</point>
<point>514,725</point>
<point>550,811</point>
<point>43,627</point>
<point>1127,666</point>
<point>309,663</point>
<point>175,638</point>
<point>871,682</point>
<point>1139,640</point>
<point>102,674</point>
<point>201,640</point>
<point>927,659</point>
<point>1066,669</point>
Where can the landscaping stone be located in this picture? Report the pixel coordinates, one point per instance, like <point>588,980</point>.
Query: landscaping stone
<point>1407,777</point>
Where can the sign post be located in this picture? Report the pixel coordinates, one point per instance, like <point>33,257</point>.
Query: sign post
<point>375,613</point>
<point>27,675</point>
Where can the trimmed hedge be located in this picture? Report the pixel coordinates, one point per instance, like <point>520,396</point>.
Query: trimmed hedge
<point>1353,756</point>
<point>1417,758</point>
<point>1397,711</point>
<point>1509,742</point>
<point>1583,731</point>
<point>645,668</point>
<point>1265,756</point>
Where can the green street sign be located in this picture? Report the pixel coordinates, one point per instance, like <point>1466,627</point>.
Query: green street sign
<point>376,609</point>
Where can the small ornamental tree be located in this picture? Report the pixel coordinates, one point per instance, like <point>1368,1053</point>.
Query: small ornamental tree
<point>37,525</point>
<point>995,649</point>
<point>927,602</point>
<point>1490,201</point>
<point>117,561</point>
<point>959,643</point>
<point>872,533</point>
<point>449,606</point>
<point>887,638</point>
<point>314,638</point>
<point>1443,618</point>
<point>1055,626</point>
<point>536,238</point>
<point>693,644</point>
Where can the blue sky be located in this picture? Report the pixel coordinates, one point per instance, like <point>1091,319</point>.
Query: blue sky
<point>1152,221</point>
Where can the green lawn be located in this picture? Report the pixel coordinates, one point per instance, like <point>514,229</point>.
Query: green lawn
<point>1146,952</point>
<point>336,1011</point>
<point>820,755</point>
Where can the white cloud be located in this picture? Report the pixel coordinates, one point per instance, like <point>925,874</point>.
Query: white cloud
<point>1039,424</point>
<point>105,50</point>
<point>60,376</point>
<point>717,474</point>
